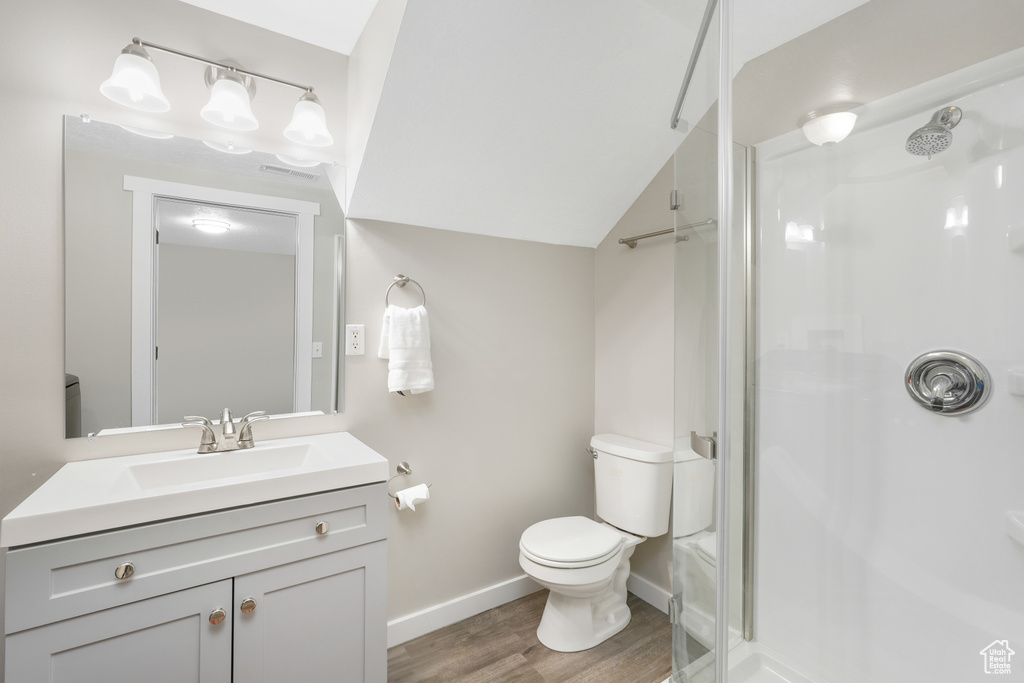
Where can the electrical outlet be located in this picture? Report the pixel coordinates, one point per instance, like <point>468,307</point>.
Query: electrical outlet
<point>355,337</point>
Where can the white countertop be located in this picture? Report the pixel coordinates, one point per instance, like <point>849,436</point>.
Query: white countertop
<point>97,495</point>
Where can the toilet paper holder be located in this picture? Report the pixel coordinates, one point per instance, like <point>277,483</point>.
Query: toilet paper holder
<point>403,469</point>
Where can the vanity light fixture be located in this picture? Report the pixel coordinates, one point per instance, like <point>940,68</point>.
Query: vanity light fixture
<point>828,129</point>
<point>135,83</point>
<point>210,225</point>
<point>230,97</point>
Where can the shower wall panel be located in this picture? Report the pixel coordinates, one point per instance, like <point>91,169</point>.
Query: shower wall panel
<point>883,552</point>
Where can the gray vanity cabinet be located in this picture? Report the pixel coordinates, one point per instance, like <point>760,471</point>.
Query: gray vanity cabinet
<point>301,584</point>
<point>160,640</point>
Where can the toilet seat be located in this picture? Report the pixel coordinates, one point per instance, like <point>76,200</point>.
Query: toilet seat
<point>570,542</point>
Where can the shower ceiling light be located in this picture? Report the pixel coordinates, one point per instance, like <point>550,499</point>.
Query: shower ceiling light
<point>829,129</point>
<point>135,83</point>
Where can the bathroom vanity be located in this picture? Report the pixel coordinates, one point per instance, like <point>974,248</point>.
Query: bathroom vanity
<point>284,589</point>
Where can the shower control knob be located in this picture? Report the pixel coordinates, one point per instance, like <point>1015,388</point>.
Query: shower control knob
<point>124,571</point>
<point>948,382</point>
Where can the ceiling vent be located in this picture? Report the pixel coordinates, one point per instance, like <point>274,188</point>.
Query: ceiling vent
<point>281,170</point>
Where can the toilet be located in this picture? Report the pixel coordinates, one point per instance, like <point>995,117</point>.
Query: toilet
<point>584,564</point>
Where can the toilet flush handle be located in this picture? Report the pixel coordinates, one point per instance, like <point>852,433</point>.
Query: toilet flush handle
<point>592,451</point>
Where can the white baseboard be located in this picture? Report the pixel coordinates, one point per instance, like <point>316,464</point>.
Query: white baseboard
<point>653,595</point>
<point>420,623</point>
<point>404,629</point>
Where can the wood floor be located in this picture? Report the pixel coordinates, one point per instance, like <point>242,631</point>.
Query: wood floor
<point>501,646</point>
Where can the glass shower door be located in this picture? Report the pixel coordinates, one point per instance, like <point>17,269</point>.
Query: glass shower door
<point>698,419</point>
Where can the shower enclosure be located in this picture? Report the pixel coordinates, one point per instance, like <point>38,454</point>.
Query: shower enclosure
<point>866,528</point>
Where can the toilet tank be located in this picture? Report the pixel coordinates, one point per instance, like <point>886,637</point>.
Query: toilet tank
<point>633,483</point>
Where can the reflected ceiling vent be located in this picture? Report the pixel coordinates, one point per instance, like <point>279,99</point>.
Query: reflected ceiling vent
<point>295,173</point>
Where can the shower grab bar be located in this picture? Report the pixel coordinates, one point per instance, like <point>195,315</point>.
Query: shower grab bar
<point>631,241</point>
<point>702,33</point>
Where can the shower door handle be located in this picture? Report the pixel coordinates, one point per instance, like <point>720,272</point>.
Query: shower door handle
<point>703,446</point>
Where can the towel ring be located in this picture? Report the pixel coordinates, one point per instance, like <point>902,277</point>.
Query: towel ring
<point>403,469</point>
<point>402,281</point>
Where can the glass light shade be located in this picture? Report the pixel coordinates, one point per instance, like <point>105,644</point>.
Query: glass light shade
<point>135,82</point>
<point>830,128</point>
<point>309,123</point>
<point>229,105</point>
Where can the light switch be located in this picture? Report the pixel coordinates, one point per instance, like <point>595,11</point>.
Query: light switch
<point>318,349</point>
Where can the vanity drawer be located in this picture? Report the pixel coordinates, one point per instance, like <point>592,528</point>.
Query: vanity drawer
<point>55,581</point>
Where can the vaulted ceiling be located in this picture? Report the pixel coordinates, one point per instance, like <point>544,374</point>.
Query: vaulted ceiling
<point>531,120</point>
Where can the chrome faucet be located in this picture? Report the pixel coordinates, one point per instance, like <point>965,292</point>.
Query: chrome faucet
<point>228,442</point>
<point>229,439</point>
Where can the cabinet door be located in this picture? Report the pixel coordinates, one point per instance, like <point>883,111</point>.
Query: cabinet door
<point>167,639</point>
<point>316,620</point>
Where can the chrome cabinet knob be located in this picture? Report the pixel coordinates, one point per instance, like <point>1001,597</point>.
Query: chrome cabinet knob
<point>248,606</point>
<point>124,571</point>
<point>322,527</point>
<point>218,615</point>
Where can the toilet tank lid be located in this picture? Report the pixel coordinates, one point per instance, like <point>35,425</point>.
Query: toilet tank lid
<point>634,449</point>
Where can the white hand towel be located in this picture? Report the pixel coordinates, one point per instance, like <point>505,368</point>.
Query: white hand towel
<point>405,342</point>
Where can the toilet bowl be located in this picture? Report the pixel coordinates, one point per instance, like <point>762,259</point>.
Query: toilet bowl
<point>584,564</point>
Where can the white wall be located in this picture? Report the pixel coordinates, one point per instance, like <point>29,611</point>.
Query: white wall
<point>501,438</point>
<point>882,551</point>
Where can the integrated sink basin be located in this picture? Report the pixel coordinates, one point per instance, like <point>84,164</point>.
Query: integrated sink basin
<point>216,467</point>
<point>97,495</point>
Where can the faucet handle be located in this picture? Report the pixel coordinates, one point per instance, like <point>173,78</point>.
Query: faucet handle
<point>208,442</point>
<point>245,439</point>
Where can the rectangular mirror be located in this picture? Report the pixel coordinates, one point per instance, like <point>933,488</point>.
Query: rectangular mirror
<point>197,277</point>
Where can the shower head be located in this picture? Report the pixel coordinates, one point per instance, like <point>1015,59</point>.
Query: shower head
<point>935,136</point>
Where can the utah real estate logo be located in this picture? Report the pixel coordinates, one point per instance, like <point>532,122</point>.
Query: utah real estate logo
<point>997,657</point>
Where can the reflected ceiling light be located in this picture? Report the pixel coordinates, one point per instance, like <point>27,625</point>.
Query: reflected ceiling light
<point>298,163</point>
<point>135,83</point>
<point>229,148</point>
<point>828,129</point>
<point>156,135</point>
<point>210,225</point>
